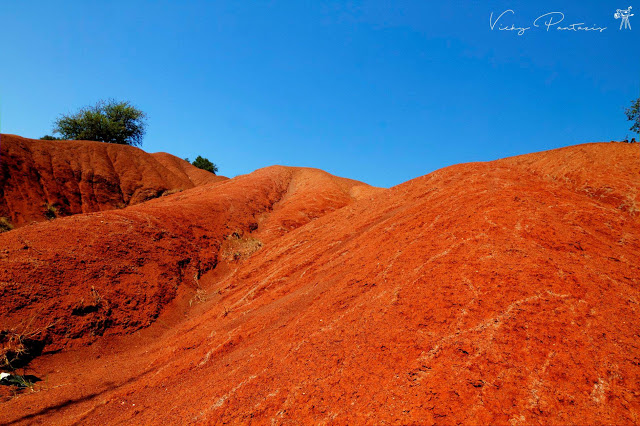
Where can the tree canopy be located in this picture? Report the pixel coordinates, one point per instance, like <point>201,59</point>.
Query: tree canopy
<point>108,121</point>
<point>633,115</point>
<point>205,164</point>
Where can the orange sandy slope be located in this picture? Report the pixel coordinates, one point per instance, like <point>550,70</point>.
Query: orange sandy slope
<point>504,292</point>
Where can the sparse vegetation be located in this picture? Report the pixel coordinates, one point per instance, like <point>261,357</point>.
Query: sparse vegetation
<point>21,344</point>
<point>50,211</point>
<point>97,299</point>
<point>98,307</point>
<point>631,206</point>
<point>49,138</point>
<point>21,381</point>
<point>205,164</point>
<point>237,247</point>
<point>107,121</point>
<point>5,224</point>
<point>200,295</point>
<point>171,191</point>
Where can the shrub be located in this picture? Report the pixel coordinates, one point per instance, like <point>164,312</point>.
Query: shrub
<point>50,211</point>
<point>205,164</point>
<point>21,382</point>
<point>107,121</point>
<point>5,224</point>
<point>49,138</point>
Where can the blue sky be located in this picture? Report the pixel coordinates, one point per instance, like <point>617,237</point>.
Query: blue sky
<point>380,91</point>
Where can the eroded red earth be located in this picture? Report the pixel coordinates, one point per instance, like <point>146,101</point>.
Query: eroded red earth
<point>505,292</point>
<point>73,177</point>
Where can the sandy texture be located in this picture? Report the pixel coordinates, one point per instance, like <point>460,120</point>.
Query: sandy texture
<point>489,293</point>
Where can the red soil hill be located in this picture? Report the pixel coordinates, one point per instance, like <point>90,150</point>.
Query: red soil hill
<point>76,278</point>
<point>503,292</point>
<point>80,177</point>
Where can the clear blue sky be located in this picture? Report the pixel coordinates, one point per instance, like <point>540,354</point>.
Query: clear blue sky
<point>380,91</point>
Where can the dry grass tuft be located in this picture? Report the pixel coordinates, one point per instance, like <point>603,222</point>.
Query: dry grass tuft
<point>237,247</point>
<point>21,343</point>
<point>630,206</point>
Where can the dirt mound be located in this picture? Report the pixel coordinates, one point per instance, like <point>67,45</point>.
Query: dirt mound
<point>485,293</point>
<point>76,278</point>
<point>46,179</point>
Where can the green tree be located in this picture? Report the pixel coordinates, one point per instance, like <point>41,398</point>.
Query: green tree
<point>49,138</point>
<point>205,164</point>
<point>107,121</point>
<point>633,115</point>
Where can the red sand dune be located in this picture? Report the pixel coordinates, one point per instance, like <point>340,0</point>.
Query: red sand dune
<point>504,292</point>
<point>80,177</point>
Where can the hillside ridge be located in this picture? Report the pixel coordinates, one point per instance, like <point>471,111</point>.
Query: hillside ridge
<point>504,292</point>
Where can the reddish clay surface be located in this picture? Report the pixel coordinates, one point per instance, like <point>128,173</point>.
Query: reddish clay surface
<point>505,292</point>
<point>81,177</point>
